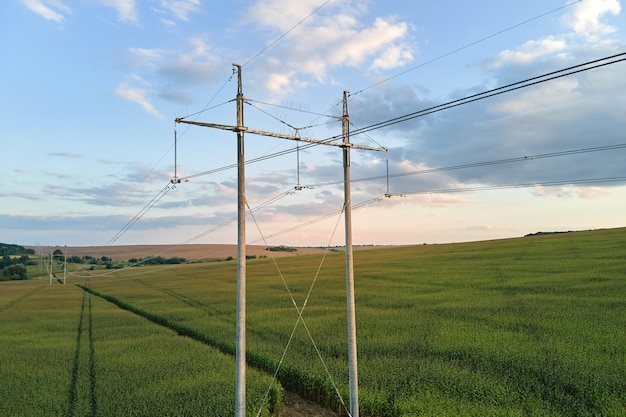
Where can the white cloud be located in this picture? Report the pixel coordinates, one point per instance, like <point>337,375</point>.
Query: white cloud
<point>56,10</point>
<point>570,191</point>
<point>49,9</point>
<point>145,57</point>
<point>66,154</point>
<point>281,14</point>
<point>530,51</point>
<point>136,95</point>
<point>355,46</point>
<point>393,57</point>
<point>584,20</point>
<point>280,82</point>
<point>334,37</point>
<point>181,9</point>
<point>169,74</point>
<point>555,94</point>
<point>586,17</point>
<point>126,9</point>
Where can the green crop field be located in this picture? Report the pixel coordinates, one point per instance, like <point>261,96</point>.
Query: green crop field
<point>534,326</point>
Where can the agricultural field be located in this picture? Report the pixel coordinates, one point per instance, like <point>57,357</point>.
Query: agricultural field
<point>532,326</point>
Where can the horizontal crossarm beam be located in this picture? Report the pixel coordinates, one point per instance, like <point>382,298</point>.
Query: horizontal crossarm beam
<point>281,135</point>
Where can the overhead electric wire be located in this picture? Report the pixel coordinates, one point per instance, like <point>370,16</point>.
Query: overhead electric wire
<point>324,217</point>
<point>294,109</point>
<point>297,129</point>
<point>249,161</point>
<point>575,69</point>
<point>445,106</point>
<point>234,219</point>
<point>526,158</point>
<point>141,212</point>
<point>275,41</point>
<point>466,46</point>
<point>198,236</point>
<point>511,186</point>
<point>451,104</point>
<point>455,190</point>
<point>299,311</point>
<point>205,108</point>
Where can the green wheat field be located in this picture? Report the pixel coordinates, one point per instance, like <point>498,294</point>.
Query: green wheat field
<point>533,326</point>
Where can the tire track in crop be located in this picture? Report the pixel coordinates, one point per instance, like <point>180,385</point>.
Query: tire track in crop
<point>292,378</point>
<point>20,298</point>
<point>165,322</point>
<point>92,366</point>
<point>73,390</point>
<point>73,393</point>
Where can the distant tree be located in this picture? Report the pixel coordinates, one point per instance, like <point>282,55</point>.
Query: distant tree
<point>281,248</point>
<point>6,261</point>
<point>11,249</point>
<point>175,260</point>
<point>15,272</point>
<point>58,255</point>
<point>106,259</point>
<point>75,259</point>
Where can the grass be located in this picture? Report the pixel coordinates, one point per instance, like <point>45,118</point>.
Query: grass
<point>521,327</point>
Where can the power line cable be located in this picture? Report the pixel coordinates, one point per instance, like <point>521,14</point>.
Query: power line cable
<point>297,129</point>
<point>141,212</point>
<point>300,310</point>
<point>575,69</point>
<point>527,158</point>
<point>455,103</point>
<point>274,42</point>
<point>294,109</point>
<point>456,190</point>
<point>324,217</point>
<point>521,185</point>
<point>467,46</point>
<point>206,108</point>
<point>445,106</point>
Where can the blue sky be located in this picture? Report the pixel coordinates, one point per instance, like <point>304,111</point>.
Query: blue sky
<point>91,88</point>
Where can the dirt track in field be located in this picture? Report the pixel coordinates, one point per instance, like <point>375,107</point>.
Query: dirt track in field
<point>295,406</point>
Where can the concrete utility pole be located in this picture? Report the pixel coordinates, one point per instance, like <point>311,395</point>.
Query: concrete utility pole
<point>240,404</point>
<point>352,357</point>
<point>241,241</point>
<point>65,265</point>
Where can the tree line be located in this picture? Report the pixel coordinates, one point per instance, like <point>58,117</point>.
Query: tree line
<point>14,261</point>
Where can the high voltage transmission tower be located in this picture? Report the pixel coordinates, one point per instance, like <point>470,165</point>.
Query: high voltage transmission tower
<point>240,129</point>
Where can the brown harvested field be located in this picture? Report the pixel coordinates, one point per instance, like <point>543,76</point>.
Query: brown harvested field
<point>190,252</point>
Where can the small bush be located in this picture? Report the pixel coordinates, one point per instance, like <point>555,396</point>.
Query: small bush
<point>14,272</point>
